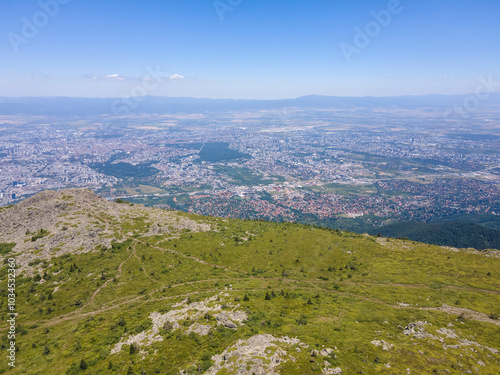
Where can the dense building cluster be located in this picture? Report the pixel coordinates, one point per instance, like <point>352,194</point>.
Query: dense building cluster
<point>269,172</point>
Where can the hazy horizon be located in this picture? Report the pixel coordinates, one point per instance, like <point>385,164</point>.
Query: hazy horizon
<point>255,99</point>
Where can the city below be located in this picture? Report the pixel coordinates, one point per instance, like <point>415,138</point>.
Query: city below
<point>345,168</point>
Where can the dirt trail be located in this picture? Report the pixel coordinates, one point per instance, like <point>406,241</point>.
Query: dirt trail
<point>468,314</point>
<point>470,289</point>
<point>459,311</point>
<point>144,268</point>
<point>192,257</point>
<point>107,281</point>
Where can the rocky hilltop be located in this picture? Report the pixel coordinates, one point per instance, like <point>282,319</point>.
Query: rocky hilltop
<point>51,224</point>
<point>113,288</point>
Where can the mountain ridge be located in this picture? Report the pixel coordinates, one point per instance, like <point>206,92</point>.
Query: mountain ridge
<point>79,106</point>
<point>170,292</point>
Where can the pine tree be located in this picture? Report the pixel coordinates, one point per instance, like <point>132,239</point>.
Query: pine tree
<point>133,349</point>
<point>83,364</point>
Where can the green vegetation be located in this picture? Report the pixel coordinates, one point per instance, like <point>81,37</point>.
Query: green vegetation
<point>6,248</point>
<point>40,234</point>
<point>489,221</point>
<point>243,176</point>
<point>125,170</point>
<point>344,189</point>
<point>122,201</point>
<point>457,234</point>
<point>220,151</point>
<point>328,288</point>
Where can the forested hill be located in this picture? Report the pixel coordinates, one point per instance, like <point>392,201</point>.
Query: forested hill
<point>456,234</point>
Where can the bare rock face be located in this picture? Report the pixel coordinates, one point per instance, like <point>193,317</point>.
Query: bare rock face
<point>231,319</point>
<point>383,344</point>
<point>200,329</point>
<point>326,351</point>
<point>196,312</point>
<point>259,354</point>
<point>416,330</point>
<point>50,224</point>
<point>332,371</point>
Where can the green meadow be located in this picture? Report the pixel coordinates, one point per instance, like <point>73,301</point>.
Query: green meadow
<point>327,288</point>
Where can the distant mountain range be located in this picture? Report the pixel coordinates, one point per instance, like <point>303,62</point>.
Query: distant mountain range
<point>69,106</point>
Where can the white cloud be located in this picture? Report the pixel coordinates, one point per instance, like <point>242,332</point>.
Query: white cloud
<point>118,77</point>
<point>107,76</point>
<point>175,76</point>
<point>114,76</point>
<point>171,77</point>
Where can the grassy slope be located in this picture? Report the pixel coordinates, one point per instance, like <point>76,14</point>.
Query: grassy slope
<point>345,287</point>
<point>457,234</point>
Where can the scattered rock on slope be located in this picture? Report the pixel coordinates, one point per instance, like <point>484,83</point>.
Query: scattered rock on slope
<point>77,221</point>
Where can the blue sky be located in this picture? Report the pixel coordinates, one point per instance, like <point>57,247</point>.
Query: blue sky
<point>261,49</point>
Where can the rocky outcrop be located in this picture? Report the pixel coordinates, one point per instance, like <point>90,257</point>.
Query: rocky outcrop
<point>231,319</point>
<point>78,221</point>
<point>416,330</point>
<point>260,355</point>
<point>383,344</point>
<point>192,312</point>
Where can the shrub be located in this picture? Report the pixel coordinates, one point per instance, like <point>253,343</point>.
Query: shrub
<point>302,321</point>
<point>40,234</point>
<point>133,349</point>
<point>6,248</point>
<point>206,364</point>
<point>83,365</point>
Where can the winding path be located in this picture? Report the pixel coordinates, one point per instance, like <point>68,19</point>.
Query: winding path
<point>470,314</point>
